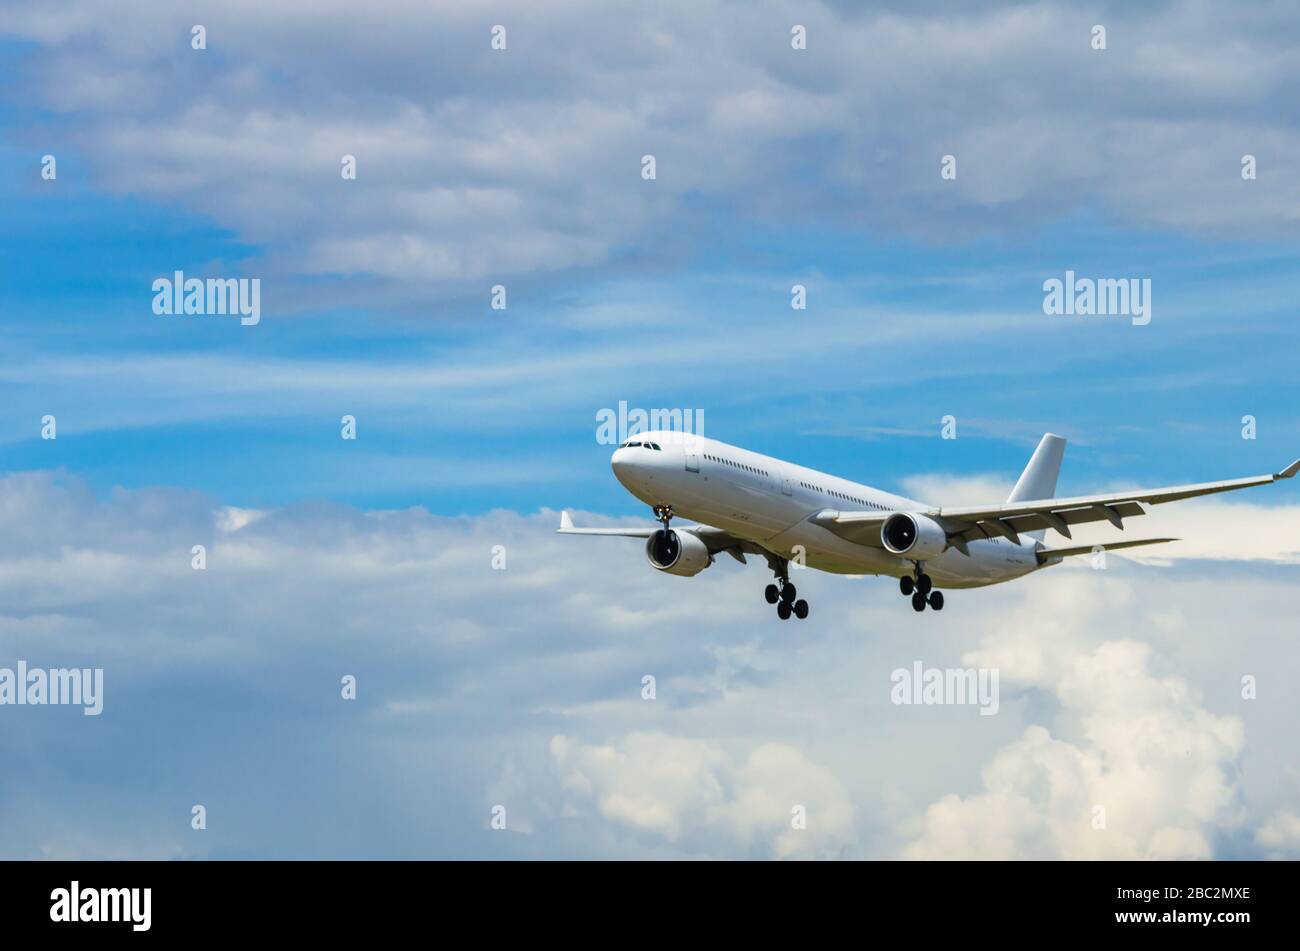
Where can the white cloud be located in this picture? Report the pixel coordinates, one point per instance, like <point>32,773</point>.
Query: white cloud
<point>771,802</point>
<point>959,490</point>
<point>1137,746</point>
<point>1280,835</point>
<point>523,687</point>
<point>475,165</point>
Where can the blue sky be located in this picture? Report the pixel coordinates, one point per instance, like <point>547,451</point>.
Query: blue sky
<point>775,167</point>
<point>648,315</point>
<point>1161,402</point>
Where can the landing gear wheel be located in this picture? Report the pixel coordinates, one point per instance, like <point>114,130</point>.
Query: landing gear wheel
<point>783,610</point>
<point>918,602</point>
<point>936,600</point>
<point>906,585</point>
<point>788,593</point>
<point>924,584</point>
<point>772,593</point>
<point>801,609</point>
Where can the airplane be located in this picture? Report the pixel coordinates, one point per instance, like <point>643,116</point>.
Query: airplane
<point>745,503</point>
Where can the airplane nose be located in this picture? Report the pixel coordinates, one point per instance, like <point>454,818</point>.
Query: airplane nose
<point>628,467</point>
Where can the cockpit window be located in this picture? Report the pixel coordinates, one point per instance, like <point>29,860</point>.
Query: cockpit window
<point>654,446</point>
<point>634,445</point>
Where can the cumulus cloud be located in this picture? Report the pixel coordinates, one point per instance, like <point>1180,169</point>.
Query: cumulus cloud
<point>1145,773</point>
<point>522,688</point>
<point>772,801</point>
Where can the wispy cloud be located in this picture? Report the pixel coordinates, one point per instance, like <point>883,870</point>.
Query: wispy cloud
<point>482,164</point>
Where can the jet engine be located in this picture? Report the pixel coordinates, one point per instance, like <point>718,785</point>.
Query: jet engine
<point>917,537</point>
<point>678,553</point>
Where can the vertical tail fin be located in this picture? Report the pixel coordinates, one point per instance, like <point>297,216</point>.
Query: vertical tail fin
<point>1038,481</point>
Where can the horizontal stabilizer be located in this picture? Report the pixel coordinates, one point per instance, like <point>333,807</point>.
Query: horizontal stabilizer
<point>1052,554</point>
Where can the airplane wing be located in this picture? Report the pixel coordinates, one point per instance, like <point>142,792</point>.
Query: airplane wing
<point>715,538</point>
<point>1011,519</point>
<point>566,528</point>
<point>863,528</point>
<point>1056,554</point>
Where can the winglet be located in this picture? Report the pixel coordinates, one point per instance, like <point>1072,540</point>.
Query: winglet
<point>565,521</point>
<point>1289,471</point>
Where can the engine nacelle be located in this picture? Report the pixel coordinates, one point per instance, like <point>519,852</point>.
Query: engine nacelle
<point>917,537</point>
<point>678,553</point>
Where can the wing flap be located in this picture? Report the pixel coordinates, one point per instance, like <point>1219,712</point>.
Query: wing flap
<point>1113,500</point>
<point>972,529</point>
<point>974,522</point>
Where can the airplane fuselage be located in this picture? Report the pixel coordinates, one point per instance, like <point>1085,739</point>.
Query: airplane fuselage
<point>769,501</point>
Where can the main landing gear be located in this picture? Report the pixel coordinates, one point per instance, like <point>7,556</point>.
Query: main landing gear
<point>783,593</point>
<point>921,588</point>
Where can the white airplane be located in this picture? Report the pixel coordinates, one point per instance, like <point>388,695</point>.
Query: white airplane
<point>747,503</point>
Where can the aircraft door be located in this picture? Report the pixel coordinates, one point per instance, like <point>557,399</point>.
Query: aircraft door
<point>692,456</point>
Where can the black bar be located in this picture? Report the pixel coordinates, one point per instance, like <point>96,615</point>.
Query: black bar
<point>967,900</point>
